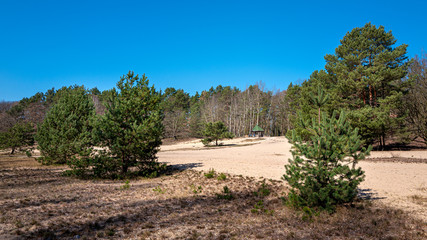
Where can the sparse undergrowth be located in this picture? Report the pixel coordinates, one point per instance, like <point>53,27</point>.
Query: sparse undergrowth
<point>41,203</point>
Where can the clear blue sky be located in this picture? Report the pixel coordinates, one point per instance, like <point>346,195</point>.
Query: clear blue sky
<point>191,45</point>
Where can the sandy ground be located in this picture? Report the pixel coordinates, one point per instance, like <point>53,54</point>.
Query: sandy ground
<point>398,184</point>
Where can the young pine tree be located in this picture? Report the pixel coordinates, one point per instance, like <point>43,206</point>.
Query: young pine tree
<point>66,130</point>
<point>323,172</point>
<point>214,132</point>
<point>130,130</point>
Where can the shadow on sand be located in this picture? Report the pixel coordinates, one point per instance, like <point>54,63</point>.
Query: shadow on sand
<point>369,194</point>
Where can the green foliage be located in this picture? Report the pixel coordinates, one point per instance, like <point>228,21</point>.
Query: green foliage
<point>222,177</point>
<point>210,174</point>
<point>307,213</point>
<point>159,190</point>
<point>195,123</point>
<point>20,135</point>
<point>263,190</point>
<point>323,170</point>
<point>66,130</point>
<point>226,194</point>
<point>214,132</point>
<point>129,132</point>
<point>319,173</point>
<point>175,105</point>
<point>110,232</point>
<point>125,186</point>
<point>195,189</point>
<point>28,153</point>
<point>364,78</point>
<point>260,208</point>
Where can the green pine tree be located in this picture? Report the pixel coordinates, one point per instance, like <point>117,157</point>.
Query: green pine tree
<point>20,135</point>
<point>195,123</point>
<point>323,172</point>
<point>66,130</point>
<point>368,70</point>
<point>175,106</point>
<point>364,78</point>
<point>130,131</point>
<point>214,132</point>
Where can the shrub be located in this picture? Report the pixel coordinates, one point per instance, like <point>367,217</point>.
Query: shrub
<point>222,177</point>
<point>210,174</point>
<point>226,194</point>
<point>323,170</point>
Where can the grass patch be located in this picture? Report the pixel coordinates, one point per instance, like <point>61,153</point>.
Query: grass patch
<point>210,174</point>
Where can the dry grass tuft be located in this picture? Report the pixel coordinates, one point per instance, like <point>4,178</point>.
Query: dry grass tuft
<point>418,199</point>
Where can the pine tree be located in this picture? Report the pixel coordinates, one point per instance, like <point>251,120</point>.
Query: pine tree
<point>196,125</point>
<point>214,132</point>
<point>323,173</point>
<point>175,106</point>
<point>20,135</point>
<point>364,78</point>
<point>66,130</point>
<point>130,131</point>
<point>368,70</point>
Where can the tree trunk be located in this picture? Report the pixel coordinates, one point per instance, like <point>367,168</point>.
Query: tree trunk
<point>124,164</point>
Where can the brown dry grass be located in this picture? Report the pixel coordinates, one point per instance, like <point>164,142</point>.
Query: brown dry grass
<point>17,160</point>
<point>39,203</point>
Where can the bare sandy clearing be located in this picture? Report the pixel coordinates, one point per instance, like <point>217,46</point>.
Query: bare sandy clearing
<point>401,185</point>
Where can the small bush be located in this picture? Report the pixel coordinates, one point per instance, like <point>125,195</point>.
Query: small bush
<point>125,186</point>
<point>263,191</point>
<point>159,190</point>
<point>222,177</point>
<point>195,189</point>
<point>226,194</point>
<point>210,174</point>
<point>110,232</point>
<point>28,153</point>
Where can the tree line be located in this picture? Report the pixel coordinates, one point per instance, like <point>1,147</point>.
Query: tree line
<point>368,76</point>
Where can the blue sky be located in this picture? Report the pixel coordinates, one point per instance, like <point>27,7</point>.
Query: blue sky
<point>191,45</point>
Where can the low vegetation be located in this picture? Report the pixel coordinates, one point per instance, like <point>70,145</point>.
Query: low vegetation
<point>40,203</point>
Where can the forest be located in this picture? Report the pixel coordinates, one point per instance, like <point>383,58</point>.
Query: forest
<point>368,76</point>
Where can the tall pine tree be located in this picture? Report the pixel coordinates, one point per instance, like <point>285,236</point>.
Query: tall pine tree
<point>364,78</point>
<point>368,70</point>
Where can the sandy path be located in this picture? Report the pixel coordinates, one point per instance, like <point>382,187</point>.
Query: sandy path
<point>393,183</point>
